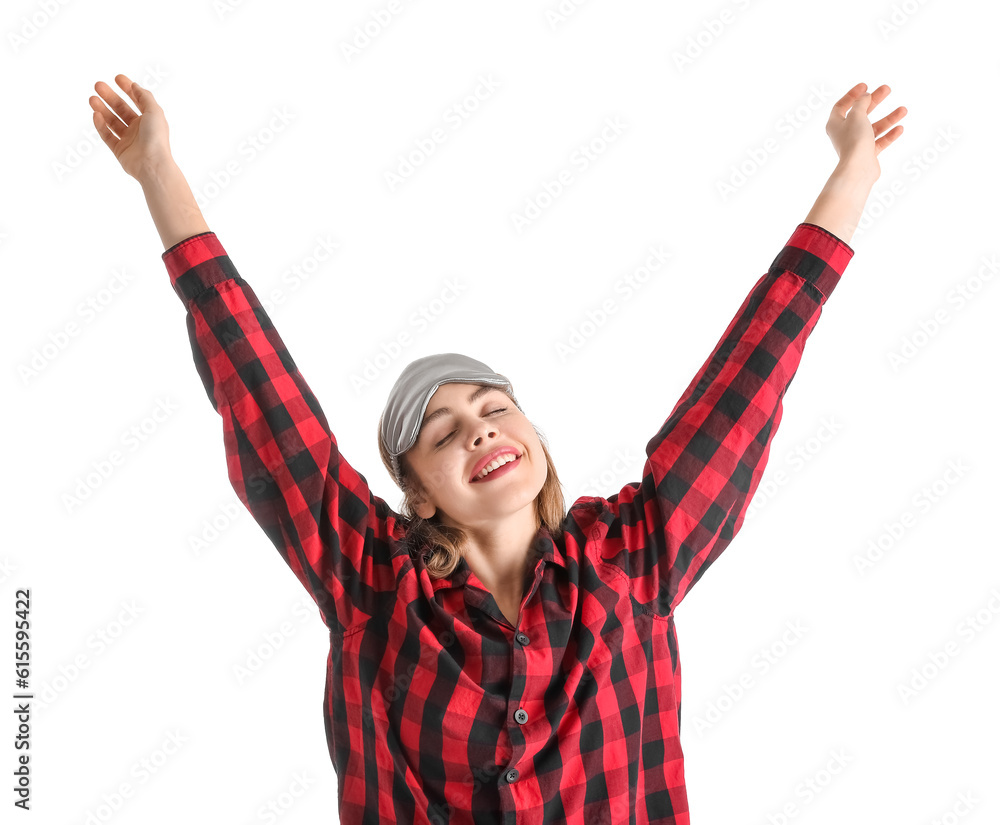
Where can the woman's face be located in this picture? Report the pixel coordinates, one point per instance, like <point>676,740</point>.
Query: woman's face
<point>452,445</point>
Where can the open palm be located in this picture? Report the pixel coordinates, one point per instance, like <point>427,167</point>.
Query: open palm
<point>856,139</point>
<point>138,141</point>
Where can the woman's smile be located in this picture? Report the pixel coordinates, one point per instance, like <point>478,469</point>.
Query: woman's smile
<point>499,471</point>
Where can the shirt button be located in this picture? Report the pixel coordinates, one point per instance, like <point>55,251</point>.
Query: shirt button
<point>512,775</point>
<point>521,716</point>
<point>522,638</point>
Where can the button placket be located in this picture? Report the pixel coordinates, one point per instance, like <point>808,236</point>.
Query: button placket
<point>520,715</point>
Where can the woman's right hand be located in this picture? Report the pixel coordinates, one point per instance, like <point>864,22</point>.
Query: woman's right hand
<point>139,141</point>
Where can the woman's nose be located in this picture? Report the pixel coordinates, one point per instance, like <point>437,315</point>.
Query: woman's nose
<point>484,430</point>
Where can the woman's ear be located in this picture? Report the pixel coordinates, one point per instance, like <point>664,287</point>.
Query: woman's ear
<point>419,503</point>
<point>418,497</point>
<point>423,508</point>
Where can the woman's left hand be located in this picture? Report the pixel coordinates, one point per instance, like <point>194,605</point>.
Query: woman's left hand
<point>854,136</point>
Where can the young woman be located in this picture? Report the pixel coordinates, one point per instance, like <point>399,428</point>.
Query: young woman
<point>494,658</point>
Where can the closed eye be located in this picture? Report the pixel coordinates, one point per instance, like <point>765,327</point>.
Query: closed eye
<point>443,440</point>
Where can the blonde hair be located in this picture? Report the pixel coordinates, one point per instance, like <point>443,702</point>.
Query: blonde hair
<point>447,543</point>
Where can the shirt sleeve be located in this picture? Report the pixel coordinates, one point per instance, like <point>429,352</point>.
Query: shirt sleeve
<point>704,464</point>
<point>283,460</point>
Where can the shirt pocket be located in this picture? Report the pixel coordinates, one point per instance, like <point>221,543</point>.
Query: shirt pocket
<point>611,688</point>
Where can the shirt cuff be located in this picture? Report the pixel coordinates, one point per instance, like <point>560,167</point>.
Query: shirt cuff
<point>197,264</point>
<point>815,254</point>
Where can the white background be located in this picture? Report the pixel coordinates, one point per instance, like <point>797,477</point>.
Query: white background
<point>873,434</point>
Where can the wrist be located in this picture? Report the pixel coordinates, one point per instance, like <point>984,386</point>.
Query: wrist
<point>855,172</point>
<point>840,205</point>
<point>171,203</point>
<point>157,171</point>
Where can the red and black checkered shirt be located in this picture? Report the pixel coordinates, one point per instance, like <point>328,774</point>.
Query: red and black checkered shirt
<point>436,708</point>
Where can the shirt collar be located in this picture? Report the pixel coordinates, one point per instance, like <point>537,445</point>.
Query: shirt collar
<point>544,546</point>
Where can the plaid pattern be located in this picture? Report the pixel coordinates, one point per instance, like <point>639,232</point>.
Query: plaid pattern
<point>436,709</point>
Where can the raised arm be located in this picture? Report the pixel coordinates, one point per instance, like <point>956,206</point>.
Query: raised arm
<point>858,145</point>
<point>141,143</point>
<point>282,458</point>
<point>706,461</point>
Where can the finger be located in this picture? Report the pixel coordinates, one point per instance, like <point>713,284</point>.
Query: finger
<point>96,103</point>
<point>107,119</point>
<point>131,89</point>
<point>847,101</point>
<point>114,103</point>
<point>882,142</point>
<point>110,138</point>
<point>110,116</point>
<point>861,107</point>
<point>880,94</point>
<point>889,120</point>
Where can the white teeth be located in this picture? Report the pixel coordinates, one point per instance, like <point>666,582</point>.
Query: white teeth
<point>497,462</point>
